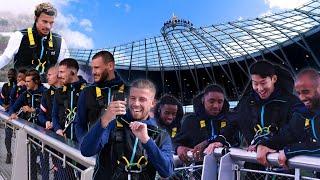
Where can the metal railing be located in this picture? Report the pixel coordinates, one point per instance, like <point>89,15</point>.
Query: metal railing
<point>232,166</point>
<point>62,151</point>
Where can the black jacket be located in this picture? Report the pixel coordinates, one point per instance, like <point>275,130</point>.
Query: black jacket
<point>282,110</point>
<point>32,99</point>
<point>92,100</point>
<point>65,107</point>
<point>311,143</point>
<point>5,93</point>
<point>27,55</point>
<point>198,126</point>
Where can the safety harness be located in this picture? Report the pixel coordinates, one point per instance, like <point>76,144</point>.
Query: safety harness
<point>39,62</point>
<point>71,108</point>
<point>138,162</point>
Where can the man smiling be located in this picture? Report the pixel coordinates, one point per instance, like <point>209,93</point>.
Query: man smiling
<point>269,115</point>
<point>130,146</point>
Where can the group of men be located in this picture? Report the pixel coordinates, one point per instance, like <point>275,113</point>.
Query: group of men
<point>133,135</point>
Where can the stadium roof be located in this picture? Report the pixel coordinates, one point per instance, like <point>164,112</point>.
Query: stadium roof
<point>184,46</point>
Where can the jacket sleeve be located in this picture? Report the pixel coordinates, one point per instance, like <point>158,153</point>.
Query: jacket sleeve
<point>13,95</point>
<point>227,134</point>
<point>96,139</point>
<point>302,148</point>
<point>292,132</point>
<point>161,157</point>
<point>55,115</point>
<point>11,49</point>
<point>2,94</point>
<point>43,111</point>
<point>81,117</point>
<point>18,104</point>
<point>182,138</point>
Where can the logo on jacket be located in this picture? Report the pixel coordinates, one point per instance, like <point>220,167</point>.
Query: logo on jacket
<point>202,123</point>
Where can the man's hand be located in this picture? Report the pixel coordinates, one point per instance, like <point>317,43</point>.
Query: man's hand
<point>5,106</point>
<point>282,159</point>
<point>114,108</point>
<point>48,125</point>
<point>212,146</point>
<point>28,109</point>
<point>198,150</point>
<point>140,130</point>
<point>182,153</point>
<point>262,152</point>
<point>60,132</point>
<point>252,148</point>
<point>13,116</point>
<point>21,83</point>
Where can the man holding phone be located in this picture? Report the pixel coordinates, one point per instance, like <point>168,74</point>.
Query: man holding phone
<point>93,99</point>
<point>131,146</point>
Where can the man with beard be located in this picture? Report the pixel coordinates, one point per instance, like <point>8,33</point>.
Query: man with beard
<point>93,99</point>
<point>36,47</point>
<point>129,146</point>
<point>307,86</point>
<point>66,98</point>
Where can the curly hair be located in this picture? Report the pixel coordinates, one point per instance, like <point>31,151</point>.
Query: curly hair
<point>171,100</point>
<point>46,8</point>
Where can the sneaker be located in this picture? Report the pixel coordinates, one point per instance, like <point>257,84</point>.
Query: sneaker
<point>9,158</point>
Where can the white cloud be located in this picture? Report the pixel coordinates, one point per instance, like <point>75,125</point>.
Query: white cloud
<point>117,5</point>
<point>285,4</point>
<point>125,6</point>
<point>269,12</point>
<point>24,9</point>
<point>76,39</point>
<point>86,24</point>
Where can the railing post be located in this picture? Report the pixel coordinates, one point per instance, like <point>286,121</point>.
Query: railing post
<point>209,171</point>
<point>20,156</point>
<point>87,174</point>
<point>226,167</point>
<point>297,174</point>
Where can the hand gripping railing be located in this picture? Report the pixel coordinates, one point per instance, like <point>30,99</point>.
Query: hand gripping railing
<point>47,138</point>
<point>234,155</point>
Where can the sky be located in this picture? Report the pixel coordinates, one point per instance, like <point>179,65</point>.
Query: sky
<point>94,24</point>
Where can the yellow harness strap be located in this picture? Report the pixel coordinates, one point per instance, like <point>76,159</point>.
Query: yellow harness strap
<point>31,38</point>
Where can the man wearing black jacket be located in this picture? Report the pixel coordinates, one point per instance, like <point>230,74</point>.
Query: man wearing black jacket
<point>65,99</point>
<point>269,115</point>
<point>47,98</point>
<point>7,87</point>
<point>94,98</point>
<point>210,117</point>
<point>307,86</point>
<point>5,102</point>
<point>36,47</point>
<point>168,113</point>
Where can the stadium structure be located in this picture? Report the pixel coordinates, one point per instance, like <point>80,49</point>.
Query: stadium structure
<point>184,59</point>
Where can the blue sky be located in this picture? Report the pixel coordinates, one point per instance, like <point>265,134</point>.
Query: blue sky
<point>106,23</point>
<point>119,22</point>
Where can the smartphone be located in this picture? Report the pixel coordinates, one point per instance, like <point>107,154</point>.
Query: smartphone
<point>118,96</point>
